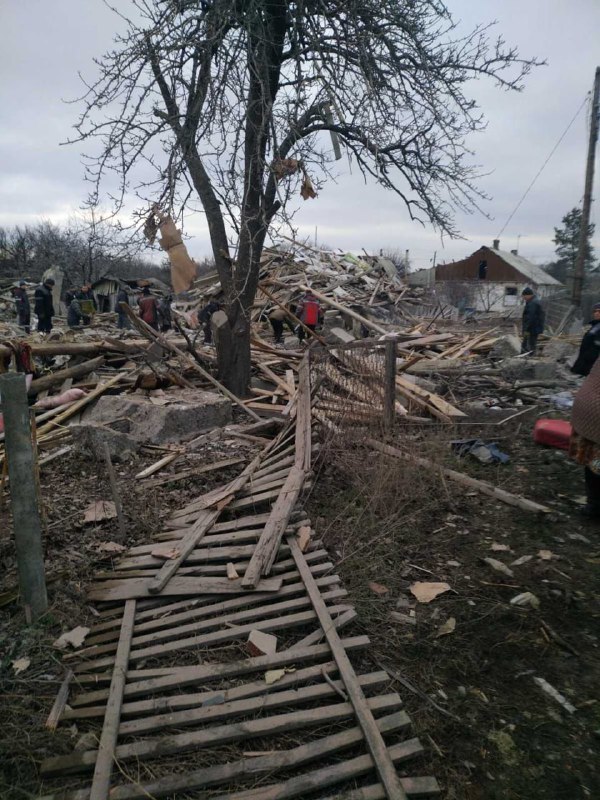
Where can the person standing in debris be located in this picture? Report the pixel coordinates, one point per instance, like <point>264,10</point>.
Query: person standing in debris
<point>75,316</point>
<point>205,317</point>
<point>590,345</point>
<point>164,313</point>
<point>148,307</point>
<point>309,312</point>
<point>584,446</point>
<point>87,302</point>
<point>122,297</point>
<point>43,305</point>
<point>22,306</point>
<point>533,321</point>
<point>278,317</point>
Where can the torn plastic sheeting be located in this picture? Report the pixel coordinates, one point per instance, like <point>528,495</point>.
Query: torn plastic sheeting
<point>485,452</point>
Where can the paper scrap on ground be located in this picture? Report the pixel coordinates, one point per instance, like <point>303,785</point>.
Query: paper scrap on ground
<point>525,599</point>
<point>110,547</point>
<point>274,675</point>
<point>167,554</point>
<point>499,566</point>
<point>72,638</point>
<point>378,588</point>
<point>425,592</point>
<point>99,511</point>
<point>448,627</point>
<point>20,665</point>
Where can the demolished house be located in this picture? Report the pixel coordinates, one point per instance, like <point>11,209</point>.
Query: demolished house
<point>107,288</point>
<point>490,279</point>
<point>225,621</point>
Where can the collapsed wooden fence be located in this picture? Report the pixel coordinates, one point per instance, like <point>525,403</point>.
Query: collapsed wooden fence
<point>178,703</point>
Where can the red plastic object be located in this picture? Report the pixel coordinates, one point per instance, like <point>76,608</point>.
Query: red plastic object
<point>553,433</point>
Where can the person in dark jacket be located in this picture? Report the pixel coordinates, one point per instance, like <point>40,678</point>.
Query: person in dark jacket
<point>22,306</point>
<point>122,297</point>
<point>533,321</point>
<point>590,345</point>
<point>87,302</point>
<point>205,317</point>
<point>164,313</point>
<point>43,306</point>
<point>75,315</point>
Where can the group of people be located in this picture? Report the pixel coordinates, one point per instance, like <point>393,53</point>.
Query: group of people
<point>81,305</point>
<point>307,312</point>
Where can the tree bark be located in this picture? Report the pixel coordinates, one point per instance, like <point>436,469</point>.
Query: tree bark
<point>233,351</point>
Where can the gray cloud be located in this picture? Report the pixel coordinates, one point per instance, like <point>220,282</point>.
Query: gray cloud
<point>46,44</point>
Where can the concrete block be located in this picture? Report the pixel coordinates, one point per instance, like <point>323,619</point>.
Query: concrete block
<point>191,413</point>
<point>527,369</point>
<point>341,335</point>
<point>506,347</point>
<point>89,440</point>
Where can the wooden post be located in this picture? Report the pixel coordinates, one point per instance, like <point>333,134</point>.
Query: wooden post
<point>587,194</point>
<point>112,479</point>
<point>389,394</point>
<point>25,511</point>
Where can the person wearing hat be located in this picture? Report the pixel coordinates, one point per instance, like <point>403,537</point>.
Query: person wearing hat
<point>22,306</point>
<point>533,321</point>
<point>43,306</point>
<point>590,345</point>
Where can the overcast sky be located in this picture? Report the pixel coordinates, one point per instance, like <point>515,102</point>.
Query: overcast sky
<point>45,44</point>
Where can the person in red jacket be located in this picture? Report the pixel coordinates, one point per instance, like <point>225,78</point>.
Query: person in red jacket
<point>148,308</point>
<point>309,312</point>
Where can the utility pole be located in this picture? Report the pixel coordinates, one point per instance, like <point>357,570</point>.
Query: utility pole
<point>587,195</point>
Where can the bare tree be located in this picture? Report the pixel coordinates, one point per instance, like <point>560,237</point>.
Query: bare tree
<point>233,102</point>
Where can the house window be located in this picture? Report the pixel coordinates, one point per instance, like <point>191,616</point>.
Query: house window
<point>482,271</point>
<point>510,296</point>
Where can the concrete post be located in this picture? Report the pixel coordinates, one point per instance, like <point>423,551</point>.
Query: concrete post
<point>25,511</point>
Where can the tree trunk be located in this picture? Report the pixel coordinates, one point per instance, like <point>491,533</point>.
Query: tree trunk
<point>233,351</point>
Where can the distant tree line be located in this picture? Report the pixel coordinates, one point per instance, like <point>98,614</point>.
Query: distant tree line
<point>85,248</point>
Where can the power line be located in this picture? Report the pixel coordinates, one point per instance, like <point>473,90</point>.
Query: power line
<point>541,169</point>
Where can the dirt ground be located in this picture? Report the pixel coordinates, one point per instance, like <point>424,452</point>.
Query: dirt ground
<point>488,729</point>
<point>68,486</point>
<point>492,733</point>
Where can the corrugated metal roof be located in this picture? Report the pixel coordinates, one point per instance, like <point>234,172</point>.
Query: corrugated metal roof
<point>531,271</point>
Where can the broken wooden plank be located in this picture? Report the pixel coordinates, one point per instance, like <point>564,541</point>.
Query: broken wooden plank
<point>465,480</point>
<point>110,729</point>
<point>140,587</point>
<point>59,704</point>
<point>274,528</point>
<point>376,745</point>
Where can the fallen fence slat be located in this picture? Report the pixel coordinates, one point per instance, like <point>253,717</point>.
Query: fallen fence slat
<point>481,486</point>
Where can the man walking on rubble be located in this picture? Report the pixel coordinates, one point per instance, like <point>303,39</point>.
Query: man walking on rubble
<point>278,317</point>
<point>148,307</point>
<point>533,321</point>
<point>22,306</point>
<point>205,317</point>
<point>43,305</point>
<point>309,312</point>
